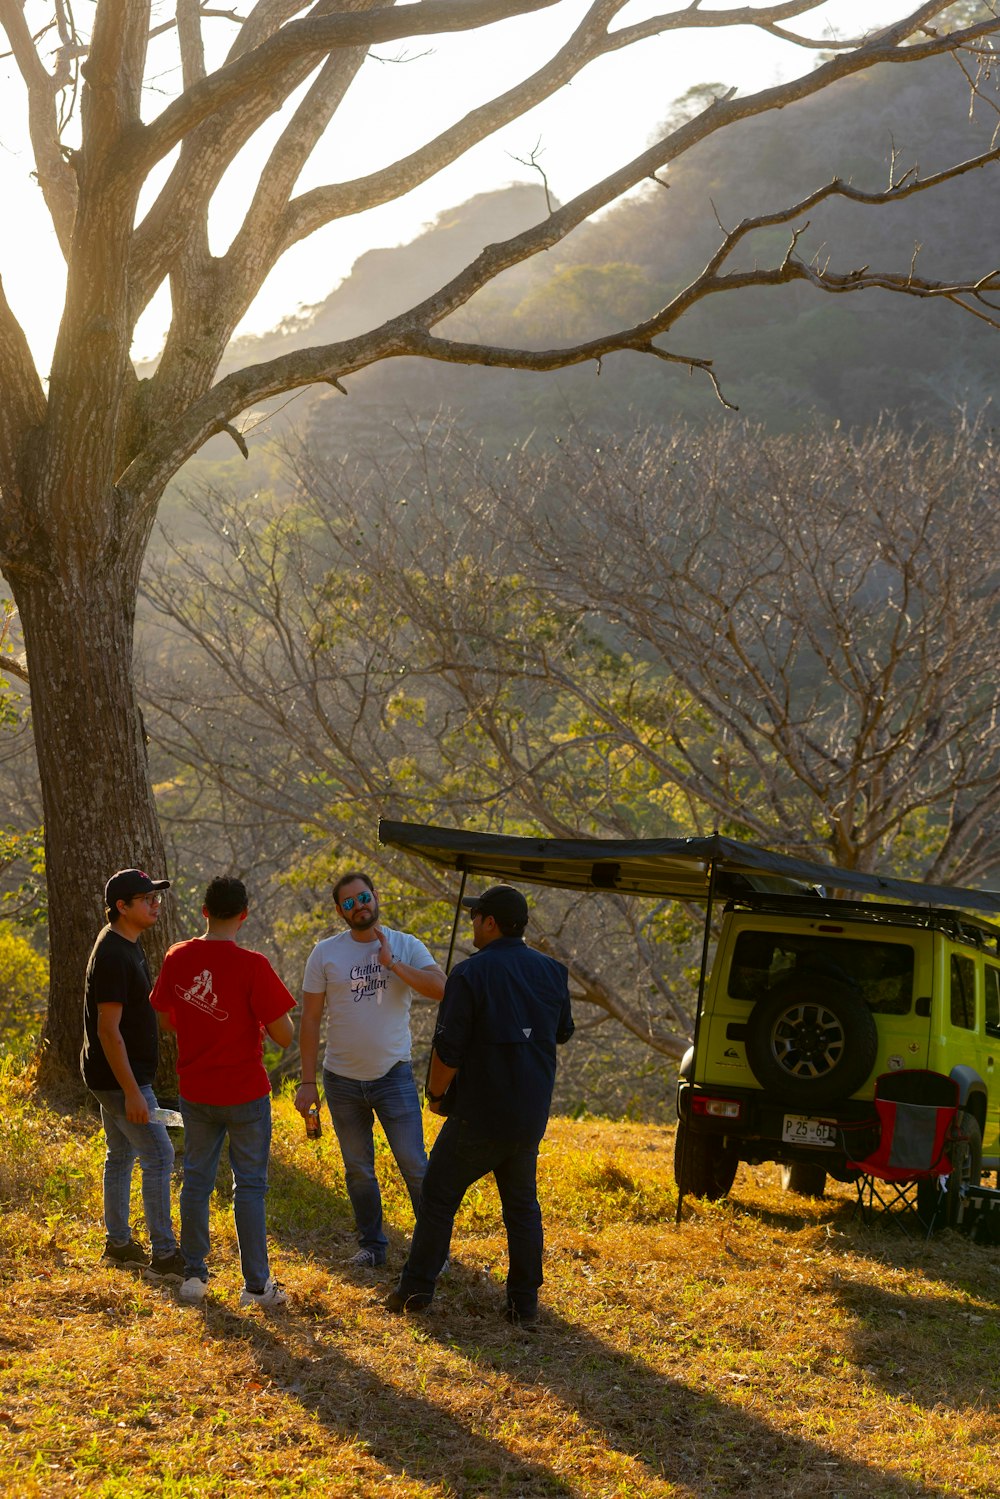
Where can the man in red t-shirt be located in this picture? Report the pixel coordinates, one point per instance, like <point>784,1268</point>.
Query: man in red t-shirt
<point>220,999</point>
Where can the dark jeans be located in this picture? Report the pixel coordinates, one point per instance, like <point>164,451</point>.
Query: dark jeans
<point>460,1157</point>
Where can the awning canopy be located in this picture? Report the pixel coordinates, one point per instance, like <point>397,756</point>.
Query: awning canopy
<point>676,868</point>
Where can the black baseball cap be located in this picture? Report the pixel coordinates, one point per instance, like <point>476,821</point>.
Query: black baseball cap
<point>128,883</point>
<point>507,905</point>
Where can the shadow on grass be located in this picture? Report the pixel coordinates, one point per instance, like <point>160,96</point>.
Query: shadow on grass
<point>929,1349</point>
<point>401,1431</point>
<point>628,1412</point>
<point>898,1338</point>
<point>683,1434</point>
<point>948,1255</point>
<point>312,1212</point>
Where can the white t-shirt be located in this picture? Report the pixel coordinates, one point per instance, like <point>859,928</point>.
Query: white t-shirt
<point>367,1007</point>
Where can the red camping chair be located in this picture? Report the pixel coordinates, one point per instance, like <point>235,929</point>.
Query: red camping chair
<point>919,1144</point>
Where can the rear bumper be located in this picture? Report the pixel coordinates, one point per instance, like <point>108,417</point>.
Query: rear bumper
<point>757,1135</point>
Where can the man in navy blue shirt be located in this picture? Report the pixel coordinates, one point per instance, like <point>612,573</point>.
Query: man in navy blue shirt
<point>492,1071</point>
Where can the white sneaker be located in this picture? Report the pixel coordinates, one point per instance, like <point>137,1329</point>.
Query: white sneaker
<point>193,1290</point>
<point>271,1296</point>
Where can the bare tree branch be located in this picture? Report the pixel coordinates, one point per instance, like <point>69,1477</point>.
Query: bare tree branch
<point>55,175</point>
<point>208,11</point>
<point>408,334</point>
<point>22,400</point>
<point>189,14</point>
<point>254,71</point>
<point>206,153</point>
<point>590,40</point>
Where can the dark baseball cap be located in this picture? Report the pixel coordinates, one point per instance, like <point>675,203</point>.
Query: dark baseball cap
<point>128,883</point>
<point>503,902</point>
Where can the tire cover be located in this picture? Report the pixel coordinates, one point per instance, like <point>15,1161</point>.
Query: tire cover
<point>812,1040</point>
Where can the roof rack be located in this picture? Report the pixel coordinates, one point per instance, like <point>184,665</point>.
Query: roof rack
<point>958,925</point>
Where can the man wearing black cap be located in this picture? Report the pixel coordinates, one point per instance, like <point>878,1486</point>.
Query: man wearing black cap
<point>118,1062</point>
<point>492,1071</point>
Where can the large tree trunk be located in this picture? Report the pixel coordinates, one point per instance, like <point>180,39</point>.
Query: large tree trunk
<point>97,797</point>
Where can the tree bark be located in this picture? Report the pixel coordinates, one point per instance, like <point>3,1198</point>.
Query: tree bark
<point>98,802</point>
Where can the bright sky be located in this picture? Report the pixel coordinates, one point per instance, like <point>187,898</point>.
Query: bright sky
<point>607,116</point>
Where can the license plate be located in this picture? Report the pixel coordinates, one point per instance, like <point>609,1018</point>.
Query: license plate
<point>799,1129</point>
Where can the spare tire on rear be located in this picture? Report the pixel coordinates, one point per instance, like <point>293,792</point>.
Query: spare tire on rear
<point>812,1040</point>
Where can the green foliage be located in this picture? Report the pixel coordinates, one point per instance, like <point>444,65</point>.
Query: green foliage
<point>8,711</point>
<point>24,975</point>
<point>46,1161</point>
<point>638,636</point>
<point>22,861</point>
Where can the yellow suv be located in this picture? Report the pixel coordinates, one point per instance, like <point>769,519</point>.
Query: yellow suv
<point>808,1001</point>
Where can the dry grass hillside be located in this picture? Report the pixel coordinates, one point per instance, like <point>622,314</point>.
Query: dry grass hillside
<point>767,1346</point>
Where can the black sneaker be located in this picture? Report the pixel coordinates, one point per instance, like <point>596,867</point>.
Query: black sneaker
<point>520,1316</point>
<point>128,1255</point>
<point>417,1301</point>
<point>171,1264</point>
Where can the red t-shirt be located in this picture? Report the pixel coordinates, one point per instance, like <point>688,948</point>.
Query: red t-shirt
<point>219,997</point>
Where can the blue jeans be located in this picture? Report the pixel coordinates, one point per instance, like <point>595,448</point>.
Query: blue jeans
<point>354,1107</point>
<point>248,1126</point>
<point>460,1157</point>
<point>151,1144</point>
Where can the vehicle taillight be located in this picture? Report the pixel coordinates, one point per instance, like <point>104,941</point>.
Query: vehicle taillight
<point>717,1108</point>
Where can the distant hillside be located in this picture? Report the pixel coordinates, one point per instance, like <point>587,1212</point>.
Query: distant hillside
<point>384,282</point>
<point>782,355</point>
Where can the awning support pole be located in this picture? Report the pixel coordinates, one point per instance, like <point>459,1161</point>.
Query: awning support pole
<point>682,1155</point>
<point>454,925</point>
<point>447,966</point>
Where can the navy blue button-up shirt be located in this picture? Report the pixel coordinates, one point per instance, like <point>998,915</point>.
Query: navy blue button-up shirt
<point>504,1011</point>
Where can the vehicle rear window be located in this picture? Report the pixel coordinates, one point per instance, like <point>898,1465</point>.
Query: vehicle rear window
<point>883,971</point>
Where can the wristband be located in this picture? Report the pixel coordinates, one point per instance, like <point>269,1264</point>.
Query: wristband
<point>313,1084</point>
<point>433,1097</point>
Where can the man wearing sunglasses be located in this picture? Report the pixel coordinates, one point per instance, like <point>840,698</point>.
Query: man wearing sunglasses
<point>118,1062</point>
<point>364,978</point>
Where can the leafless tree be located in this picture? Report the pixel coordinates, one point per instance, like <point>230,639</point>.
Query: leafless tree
<point>311,675</point>
<point>829,603</point>
<point>791,639</point>
<point>85,460</point>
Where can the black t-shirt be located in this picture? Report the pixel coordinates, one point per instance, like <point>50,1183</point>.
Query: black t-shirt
<point>117,973</point>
